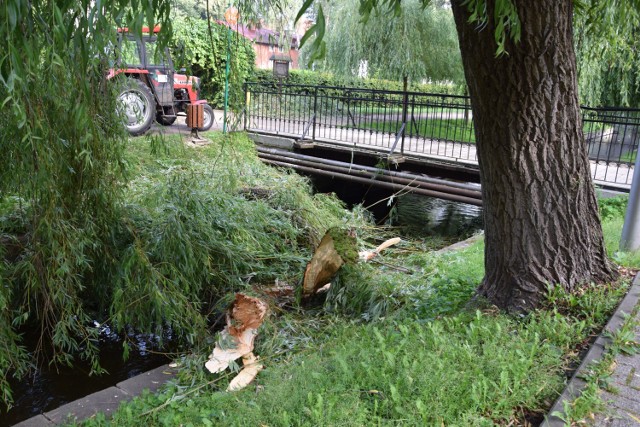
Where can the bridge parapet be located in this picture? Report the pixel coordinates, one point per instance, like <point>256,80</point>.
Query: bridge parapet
<point>420,125</point>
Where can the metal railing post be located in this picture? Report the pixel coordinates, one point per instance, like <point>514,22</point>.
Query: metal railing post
<point>315,114</point>
<point>247,99</point>
<point>405,107</point>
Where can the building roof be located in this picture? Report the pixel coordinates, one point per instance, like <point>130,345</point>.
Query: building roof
<point>261,35</point>
<point>280,57</point>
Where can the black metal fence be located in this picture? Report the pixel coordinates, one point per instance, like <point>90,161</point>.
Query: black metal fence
<point>419,124</point>
<point>612,136</point>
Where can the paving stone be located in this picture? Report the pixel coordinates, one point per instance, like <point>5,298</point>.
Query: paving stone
<point>628,360</point>
<point>623,423</point>
<point>105,401</point>
<point>37,421</point>
<point>626,375</point>
<point>151,380</point>
<point>628,393</point>
<point>621,404</point>
<point>601,421</point>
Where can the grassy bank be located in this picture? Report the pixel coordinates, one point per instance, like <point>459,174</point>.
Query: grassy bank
<point>395,348</point>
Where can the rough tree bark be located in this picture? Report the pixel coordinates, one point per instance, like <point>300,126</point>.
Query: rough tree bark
<point>541,218</point>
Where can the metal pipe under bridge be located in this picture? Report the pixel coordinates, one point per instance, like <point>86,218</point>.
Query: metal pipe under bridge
<point>434,130</point>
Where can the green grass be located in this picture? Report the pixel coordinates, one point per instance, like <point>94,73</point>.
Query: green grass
<point>425,363</point>
<point>397,372</point>
<point>612,212</point>
<point>459,130</point>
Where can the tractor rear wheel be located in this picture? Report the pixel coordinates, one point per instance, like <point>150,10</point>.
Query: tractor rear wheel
<point>208,118</point>
<point>138,106</point>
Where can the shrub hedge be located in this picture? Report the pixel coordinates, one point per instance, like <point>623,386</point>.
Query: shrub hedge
<point>313,78</point>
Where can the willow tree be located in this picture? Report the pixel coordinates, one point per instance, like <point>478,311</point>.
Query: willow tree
<point>542,225</point>
<point>541,217</point>
<point>62,167</point>
<point>420,43</point>
<point>607,55</point>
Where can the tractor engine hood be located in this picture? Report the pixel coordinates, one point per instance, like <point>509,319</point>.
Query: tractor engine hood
<point>182,79</point>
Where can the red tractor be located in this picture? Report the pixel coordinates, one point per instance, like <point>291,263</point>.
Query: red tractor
<point>152,89</point>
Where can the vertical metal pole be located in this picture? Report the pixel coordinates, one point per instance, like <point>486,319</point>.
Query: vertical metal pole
<point>247,100</point>
<point>405,104</point>
<point>630,240</point>
<point>226,82</point>
<point>315,112</point>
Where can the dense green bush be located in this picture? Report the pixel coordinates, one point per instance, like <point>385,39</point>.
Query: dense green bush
<point>205,55</point>
<point>312,78</point>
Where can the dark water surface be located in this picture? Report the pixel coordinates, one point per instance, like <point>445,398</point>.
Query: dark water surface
<point>48,389</point>
<point>430,216</point>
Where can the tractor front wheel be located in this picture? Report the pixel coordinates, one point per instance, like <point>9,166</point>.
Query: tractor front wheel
<point>138,106</point>
<point>207,121</point>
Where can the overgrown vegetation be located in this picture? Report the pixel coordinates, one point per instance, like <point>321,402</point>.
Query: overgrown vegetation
<point>314,78</point>
<point>61,175</point>
<point>427,357</point>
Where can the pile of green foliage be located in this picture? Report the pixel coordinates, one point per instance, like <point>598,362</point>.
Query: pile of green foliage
<point>201,47</point>
<point>313,78</point>
<point>193,226</point>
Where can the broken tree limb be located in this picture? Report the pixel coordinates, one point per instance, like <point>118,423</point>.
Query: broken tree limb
<point>368,255</point>
<point>394,267</point>
<point>247,374</point>
<point>236,340</point>
<point>335,249</point>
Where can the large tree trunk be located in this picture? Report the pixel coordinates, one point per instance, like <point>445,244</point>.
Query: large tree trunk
<point>541,218</point>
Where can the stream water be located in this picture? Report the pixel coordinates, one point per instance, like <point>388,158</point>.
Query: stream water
<point>430,216</point>
<point>47,389</point>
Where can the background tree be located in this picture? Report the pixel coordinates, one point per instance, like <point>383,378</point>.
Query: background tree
<point>420,44</point>
<point>195,9</point>
<point>607,55</point>
<point>540,213</point>
<point>205,54</point>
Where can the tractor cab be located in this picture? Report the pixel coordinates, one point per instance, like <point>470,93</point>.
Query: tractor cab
<point>153,90</point>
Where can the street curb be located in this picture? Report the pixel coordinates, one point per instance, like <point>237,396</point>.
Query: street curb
<point>106,401</point>
<point>575,386</point>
